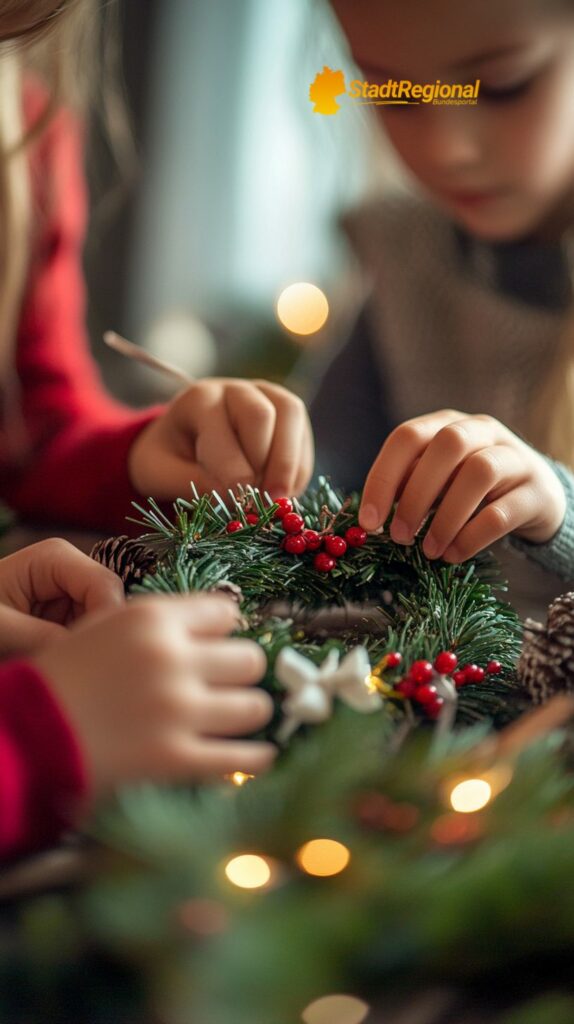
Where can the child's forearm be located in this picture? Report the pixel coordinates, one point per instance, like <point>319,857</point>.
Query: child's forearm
<point>42,778</point>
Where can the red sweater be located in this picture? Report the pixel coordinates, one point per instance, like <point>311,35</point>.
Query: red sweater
<point>76,474</point>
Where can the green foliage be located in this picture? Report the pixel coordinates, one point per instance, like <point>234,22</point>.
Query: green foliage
<point>429,896</point>
<point>434,606</point>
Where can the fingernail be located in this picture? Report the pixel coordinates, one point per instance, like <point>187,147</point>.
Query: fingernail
<point>369,517</point>
<point>400,532</point>
<point>430,547</point>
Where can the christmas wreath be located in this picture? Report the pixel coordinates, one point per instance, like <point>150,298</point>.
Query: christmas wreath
<point>416,831</point>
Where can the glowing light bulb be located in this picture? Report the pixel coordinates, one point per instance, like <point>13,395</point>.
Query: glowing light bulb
<point>302,308</point>
<point>372,683</point>
<point>239,778</point>
<point>335,1009</point>
<point>248,871</point>
<point>470,796</point>
<point>323,857</point>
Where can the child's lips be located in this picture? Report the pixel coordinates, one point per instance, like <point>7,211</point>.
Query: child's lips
<point>473,198</point>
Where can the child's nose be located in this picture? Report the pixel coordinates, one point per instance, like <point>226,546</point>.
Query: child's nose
<point>451,138</point>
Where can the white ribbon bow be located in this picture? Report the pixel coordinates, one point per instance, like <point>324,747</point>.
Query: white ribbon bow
<point>311,688</point>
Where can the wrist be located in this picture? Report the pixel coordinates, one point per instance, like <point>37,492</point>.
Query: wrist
<point>543,531</point>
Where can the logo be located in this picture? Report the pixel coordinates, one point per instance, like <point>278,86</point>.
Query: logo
<point>329,84</point>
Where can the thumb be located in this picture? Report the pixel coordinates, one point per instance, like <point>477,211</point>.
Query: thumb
<point>24,634</point>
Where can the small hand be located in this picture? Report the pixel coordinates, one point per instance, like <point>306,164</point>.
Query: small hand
<point>158,690</point>
<point>482,479</point>
<point>44,588</point>
<point>219,433</point>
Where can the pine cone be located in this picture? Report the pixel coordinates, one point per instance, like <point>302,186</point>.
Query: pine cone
<point>546,663</point>
<point>131,560</point>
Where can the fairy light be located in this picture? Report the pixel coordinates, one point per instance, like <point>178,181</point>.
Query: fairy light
<point>249,871</point>
<point>470,796</point>
<point>335,1009</point>
<point>323,857</point>
<point>372,683</point>
<point>302,308</point>
<point>239,778</point>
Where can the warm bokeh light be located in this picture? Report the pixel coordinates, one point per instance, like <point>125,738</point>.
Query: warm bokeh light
<point>323,857</point>
<point>372,683</point>
<point>239,778</point>
<point>470,795</point>
<point>248,871</point>
<point>337,1009</point>
<point>302,308</point>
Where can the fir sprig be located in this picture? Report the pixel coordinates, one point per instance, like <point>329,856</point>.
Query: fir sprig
<point>429,606</point>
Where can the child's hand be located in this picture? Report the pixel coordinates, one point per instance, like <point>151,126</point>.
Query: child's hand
<point>464,465</point>
<point>219,433</point>
<point>46,586</point>
<point>157,691</point>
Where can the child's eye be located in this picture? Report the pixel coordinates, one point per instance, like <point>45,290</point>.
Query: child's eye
<point>505,93</point>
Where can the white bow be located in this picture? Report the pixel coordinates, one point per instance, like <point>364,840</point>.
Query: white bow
<point>311,688</point>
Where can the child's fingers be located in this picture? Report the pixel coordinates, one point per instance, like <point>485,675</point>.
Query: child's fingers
<point>499,518</point>
<point>219,452</point>
<point>401,449</point>
<point>231,713</point>
<point>290,459</point>
<point>201,614</point>
<point>211,758</point>
<point>444,455</point>
<point>253,417</point>
<point>23,634</point>
<point>56,569</point>
<point>492,471</point>
<point>236,662</point>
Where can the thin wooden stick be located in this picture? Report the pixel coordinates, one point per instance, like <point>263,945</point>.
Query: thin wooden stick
<point>131,351</point>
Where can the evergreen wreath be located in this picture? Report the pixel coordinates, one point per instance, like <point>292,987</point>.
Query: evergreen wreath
<point>436,638</point>
<point>383,854</point>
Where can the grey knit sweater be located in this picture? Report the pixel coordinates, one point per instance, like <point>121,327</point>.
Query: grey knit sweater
<point>448,323</point>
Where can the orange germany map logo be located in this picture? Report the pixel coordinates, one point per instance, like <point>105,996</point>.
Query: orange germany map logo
<point>328,84</point>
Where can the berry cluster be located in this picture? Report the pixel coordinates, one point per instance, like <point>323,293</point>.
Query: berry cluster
<point>418,683</point>
<point>326,547</point>
<point>251,519</point>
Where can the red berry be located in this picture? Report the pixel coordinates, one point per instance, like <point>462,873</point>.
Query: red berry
<point>312,540</point>
<point>233,526</point>
<point>406,688</point>
<point>433,710</point>
<point>445,662</point>
<point>493,668</point>
<point>252,518</point>
<point>421,672</point>
<point>426,694</point>
<point>356,537</point>
<point>292,522</point>
<point>459,678</point>
<point>295,544</point>
<point>285,505</point>
<point>474,674</point>
<point>393,659</point>
<point>335,545</point>
<point>324,562</point>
